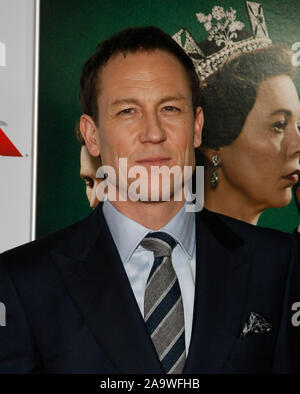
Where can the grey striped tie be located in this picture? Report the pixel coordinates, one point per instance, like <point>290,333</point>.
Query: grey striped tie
<point>163,307</point>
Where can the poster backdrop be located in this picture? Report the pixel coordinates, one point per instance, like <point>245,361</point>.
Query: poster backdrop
<point>70,31</point>
<point>17,60</point>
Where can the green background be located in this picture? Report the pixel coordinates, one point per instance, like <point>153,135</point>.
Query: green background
<point>69,33</point>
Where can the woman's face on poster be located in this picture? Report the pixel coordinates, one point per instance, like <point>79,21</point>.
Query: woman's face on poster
<point>262,163</point>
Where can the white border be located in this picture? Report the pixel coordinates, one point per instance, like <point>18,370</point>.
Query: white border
<point>35,121</point>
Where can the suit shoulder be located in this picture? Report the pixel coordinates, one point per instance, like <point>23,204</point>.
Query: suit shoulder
<point>257,235</point>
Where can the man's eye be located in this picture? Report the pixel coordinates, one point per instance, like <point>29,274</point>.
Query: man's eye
<point>126,111</point>
<point>170,108</point>
<point>280,127</point>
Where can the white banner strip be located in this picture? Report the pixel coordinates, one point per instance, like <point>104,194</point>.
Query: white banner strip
<point>19,30</point>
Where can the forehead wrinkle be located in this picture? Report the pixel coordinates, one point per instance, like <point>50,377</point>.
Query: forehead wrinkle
<point>142,83</point>
<point>144,75</point>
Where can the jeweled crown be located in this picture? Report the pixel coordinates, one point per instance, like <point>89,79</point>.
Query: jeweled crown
<point>226,38</point>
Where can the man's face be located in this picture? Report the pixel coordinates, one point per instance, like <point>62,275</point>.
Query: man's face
<point>145,113</point>
<point>88,169</point>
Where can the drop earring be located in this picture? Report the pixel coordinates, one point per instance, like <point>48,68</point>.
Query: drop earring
<point>215,178</point>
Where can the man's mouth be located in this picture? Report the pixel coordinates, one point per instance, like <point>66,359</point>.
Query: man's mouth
<point>153,161</point>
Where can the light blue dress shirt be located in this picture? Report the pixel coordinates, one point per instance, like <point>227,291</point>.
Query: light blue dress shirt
<point>127,235</point>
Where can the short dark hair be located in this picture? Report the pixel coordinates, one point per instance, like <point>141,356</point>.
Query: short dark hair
<point>228,95</point>
<point>131,40</point>
<point>78,134</point>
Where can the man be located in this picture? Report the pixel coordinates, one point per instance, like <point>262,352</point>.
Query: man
<point>88,169</point>
<point>145,286</point>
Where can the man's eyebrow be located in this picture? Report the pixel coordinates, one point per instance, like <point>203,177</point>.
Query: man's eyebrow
<point>129,100</point>
<point>176,97</point>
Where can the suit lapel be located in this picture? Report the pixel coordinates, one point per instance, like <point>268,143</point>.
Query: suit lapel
<point>98,285</point>
<point>222,278</point>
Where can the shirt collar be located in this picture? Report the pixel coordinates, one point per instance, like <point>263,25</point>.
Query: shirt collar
<point>181,227</point>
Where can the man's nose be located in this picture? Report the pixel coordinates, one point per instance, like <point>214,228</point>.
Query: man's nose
<point>153,130</point>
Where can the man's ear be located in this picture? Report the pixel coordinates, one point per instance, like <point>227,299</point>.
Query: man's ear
<point>198,125</point>
<point>88,130</point>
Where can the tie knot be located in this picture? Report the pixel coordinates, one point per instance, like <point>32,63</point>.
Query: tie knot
<point>161,244</point>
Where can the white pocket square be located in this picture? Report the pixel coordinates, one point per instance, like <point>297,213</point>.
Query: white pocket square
<point>256,324</point>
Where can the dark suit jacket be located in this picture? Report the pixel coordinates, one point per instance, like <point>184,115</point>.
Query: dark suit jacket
<point>297,237</point>
<point>70,307</point>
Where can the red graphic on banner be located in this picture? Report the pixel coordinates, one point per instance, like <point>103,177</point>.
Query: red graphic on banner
<point>7,148</point>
